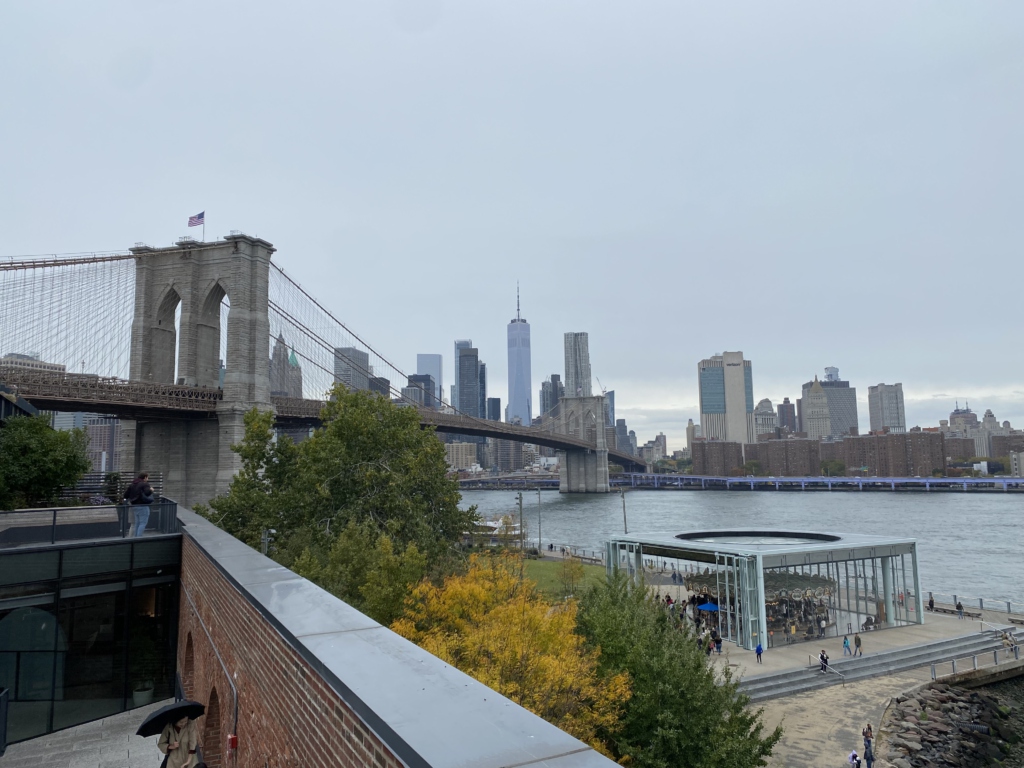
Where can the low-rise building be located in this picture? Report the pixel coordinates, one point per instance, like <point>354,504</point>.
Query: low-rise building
<point>460,455</point>
<point>716,457</point>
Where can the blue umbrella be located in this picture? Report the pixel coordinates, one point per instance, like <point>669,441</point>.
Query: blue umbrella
<point>707,607</point>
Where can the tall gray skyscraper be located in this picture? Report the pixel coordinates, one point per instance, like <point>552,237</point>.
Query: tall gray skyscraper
<point>842,404</point>
<point>609,408</point>
<point>577,365</point>
<point>551,391</point>
<point>885,408</point>
<point>482,401</point>
<point>494,409</point>
<point>352,368</point>
<point>520,397</point>
<point>460,344</point>
<point>726,384</point>
<point>431,365</point>
<point>468,381</point>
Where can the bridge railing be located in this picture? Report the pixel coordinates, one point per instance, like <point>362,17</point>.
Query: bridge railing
<point>53,525</point>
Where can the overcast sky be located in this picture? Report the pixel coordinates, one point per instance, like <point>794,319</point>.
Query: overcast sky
<point>811,183</point>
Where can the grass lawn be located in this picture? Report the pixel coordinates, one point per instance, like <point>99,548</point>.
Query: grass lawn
<point>548,575</point>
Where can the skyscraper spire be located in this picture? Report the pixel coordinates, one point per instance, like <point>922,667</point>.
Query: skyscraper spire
<point>517,300</point>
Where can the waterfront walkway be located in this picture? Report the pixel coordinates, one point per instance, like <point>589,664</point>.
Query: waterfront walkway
<point>107,743</point>
<point>821,726</point>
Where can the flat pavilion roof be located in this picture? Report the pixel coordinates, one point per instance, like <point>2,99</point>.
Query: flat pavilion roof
<point>777,547</point>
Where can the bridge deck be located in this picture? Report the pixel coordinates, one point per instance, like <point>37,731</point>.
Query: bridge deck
<point>147,401</point>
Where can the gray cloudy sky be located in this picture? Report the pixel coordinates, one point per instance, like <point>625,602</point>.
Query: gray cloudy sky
<point>812,183</point>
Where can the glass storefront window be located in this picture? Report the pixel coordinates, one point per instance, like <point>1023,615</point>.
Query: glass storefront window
<point>92,618</point>
<point>31,654</point>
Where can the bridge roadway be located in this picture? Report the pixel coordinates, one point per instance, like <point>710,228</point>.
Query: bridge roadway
<point>820,483</point>
<point>145,401</point>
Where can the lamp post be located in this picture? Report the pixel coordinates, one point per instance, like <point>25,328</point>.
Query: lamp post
<point>540,544</point>
<point>622,493</point>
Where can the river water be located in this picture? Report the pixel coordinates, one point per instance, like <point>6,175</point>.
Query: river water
<point>968,544</point>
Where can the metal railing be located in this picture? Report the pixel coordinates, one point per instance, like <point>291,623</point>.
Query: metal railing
<point>54,525</point>
<point>814,661</point>
<point>1000,605</point>
<point>976,661</point>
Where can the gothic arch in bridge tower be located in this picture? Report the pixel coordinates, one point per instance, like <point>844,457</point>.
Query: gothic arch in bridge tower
<point>165,336</point>
<point>208,333</point>
<point>195,456</point>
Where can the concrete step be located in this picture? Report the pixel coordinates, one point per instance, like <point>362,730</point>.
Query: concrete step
<point>771,686</point>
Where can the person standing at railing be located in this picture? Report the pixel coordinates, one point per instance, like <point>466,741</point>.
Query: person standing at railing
<point>140,495</point>
<point>959,609</point>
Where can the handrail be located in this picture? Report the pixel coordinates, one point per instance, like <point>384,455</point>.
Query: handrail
<point>816,662</point>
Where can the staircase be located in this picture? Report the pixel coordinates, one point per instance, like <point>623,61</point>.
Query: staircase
<point>772,686</point>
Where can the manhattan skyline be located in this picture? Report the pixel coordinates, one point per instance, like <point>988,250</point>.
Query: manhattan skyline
<point>652,222</point>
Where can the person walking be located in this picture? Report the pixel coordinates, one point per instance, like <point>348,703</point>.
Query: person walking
<point>759,650</point>
<point>821,628</point>
<point>139,495</point>
<point>869,756</point>
<point>179,742</point>
<point>846,646</point>
<point>931,603</point>
<point>823,659</point>
<point>857,649</point>
<point>868,735</point>
<point>959,609</point>
<point>718,645</point>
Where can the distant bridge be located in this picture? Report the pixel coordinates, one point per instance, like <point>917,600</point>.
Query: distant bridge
<point>717,483</point>
<point>144,401</point>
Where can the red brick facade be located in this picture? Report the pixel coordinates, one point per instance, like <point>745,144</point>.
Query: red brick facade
<point>288,716</point>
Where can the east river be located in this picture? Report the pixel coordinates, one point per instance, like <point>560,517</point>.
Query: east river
<point>968,543</point>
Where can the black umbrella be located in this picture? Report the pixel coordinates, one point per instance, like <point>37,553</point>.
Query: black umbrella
<point>172,713</point>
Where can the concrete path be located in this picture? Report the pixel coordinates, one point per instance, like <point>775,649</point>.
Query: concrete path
<point>786,657</point>
<point>822,726</point>
<point>107,743</point>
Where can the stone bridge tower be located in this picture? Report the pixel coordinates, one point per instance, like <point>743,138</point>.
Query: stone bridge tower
<point>195,456</point>
<point>583,471</point>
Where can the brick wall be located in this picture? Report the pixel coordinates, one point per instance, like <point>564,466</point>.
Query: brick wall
<point>288,717</point>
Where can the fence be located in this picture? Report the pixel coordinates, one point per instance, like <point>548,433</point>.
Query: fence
<point>976,661</point>
<point>27,527</point>
<point>1000,605</point>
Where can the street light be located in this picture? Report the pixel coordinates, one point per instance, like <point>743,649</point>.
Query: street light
<point>622,493</point>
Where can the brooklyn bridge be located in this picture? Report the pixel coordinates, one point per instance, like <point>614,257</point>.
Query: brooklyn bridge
<point>179,349</point>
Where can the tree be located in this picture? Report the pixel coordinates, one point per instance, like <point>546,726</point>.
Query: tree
<point>571,574</point>
<point>833,468</point>
<point>36,461</point>
<point>753,468</point>
<point>682,713</point>
<point>494,626</point>
<point>369,463</point>
<point>364,568</point>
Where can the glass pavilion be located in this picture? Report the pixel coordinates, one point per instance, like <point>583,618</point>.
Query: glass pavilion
<point>775,586</point>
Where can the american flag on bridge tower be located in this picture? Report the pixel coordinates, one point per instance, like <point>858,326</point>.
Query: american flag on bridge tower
<point>197,220</point>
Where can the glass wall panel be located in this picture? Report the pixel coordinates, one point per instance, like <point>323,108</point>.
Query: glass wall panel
<point>84,560</point>
<point>30,566</point>
<point>29,637</point>
<point>152,642</point>
<point>154,553</point>
<point>94,676</point>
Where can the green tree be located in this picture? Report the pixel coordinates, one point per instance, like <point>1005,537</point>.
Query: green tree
<point>753,468</point>
<point>36,461</point>
<point>683,712</point>
<point>370,466</point>
<point>364,568</point>
<point>833,468</point>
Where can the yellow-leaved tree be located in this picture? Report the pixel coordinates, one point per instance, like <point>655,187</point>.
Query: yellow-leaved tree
<point>494,626</point>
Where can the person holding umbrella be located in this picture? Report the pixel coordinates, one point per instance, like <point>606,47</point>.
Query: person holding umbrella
<point>179,738</point>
